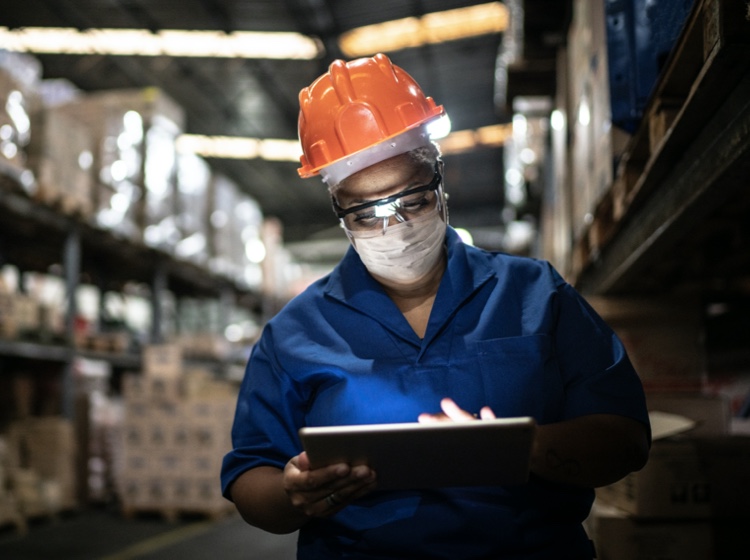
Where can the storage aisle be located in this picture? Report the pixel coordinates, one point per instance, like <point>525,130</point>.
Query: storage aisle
<point>106,535</point>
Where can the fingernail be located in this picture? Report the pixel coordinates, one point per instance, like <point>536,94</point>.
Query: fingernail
<point>362,472</point>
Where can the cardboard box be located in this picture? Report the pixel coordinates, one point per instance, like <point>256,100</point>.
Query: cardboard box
<point>215,437</point>
<point>663,338</point>
<point>61,155</point>
<point>205,495</point>
<point>697,478</point>
<point>162,360</point>
<point>19,315</point>
<point>150,389</point>
<point>619,537</point>
<point>46,448</point>
<point>147,491</point>
<point>134,160</point>
<point>20,75</point>
<point>193,209</point>
<point>589,116</point>
<point>201,463</point>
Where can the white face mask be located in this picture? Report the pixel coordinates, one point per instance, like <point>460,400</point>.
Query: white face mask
<point>405,252</point>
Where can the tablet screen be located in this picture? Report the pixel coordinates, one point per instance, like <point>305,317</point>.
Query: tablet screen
<point>413,455</point>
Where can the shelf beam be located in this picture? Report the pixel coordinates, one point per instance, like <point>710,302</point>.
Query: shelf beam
<point>712,169</point>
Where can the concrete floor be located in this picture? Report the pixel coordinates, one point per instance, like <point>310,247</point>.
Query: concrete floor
<point>101,534</point>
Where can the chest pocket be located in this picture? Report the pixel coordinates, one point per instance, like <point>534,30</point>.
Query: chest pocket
<point>521,377</point>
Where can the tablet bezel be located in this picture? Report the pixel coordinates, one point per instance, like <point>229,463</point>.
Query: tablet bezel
<point>430,455</point>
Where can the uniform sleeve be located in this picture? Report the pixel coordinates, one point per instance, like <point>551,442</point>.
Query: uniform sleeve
<point>270,408</point>
<point>598,375</point>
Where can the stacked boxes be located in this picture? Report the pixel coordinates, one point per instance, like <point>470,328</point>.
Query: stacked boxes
<point>42,463</point>
<point>133,134</point>
<point>61,156</point>
<point>224,243</point>
<point>689,501</point>
<point>9,511</point>
<point>695,478</point>
<point>192,208</point>
<point>176,432</point>
<point>663,338</point>
<point>236,224</point>
<point>19,315</point>
<point>110,159</point>
<point>19,78</point>
<point>618,536</point>
<point>589,111</point>
<point>584,145</point>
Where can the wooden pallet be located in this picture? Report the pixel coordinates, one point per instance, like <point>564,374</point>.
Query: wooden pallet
<point>111,343</point>
<point>173,513</point>
<point>709,58</point>
<point>11,517</point>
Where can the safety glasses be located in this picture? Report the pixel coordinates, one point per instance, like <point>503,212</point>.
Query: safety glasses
<point>403,206</point>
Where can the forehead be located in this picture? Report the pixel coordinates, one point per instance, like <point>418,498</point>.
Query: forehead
<point>383,179</point>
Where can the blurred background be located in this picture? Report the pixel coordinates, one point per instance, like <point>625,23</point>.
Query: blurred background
<point>152,221</point>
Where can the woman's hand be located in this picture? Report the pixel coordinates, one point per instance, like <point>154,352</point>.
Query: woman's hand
<point>282,501</point>
<point>453,413</point>
<point>325,491</point>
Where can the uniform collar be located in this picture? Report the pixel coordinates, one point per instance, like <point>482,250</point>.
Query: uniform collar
<point>466,272</point>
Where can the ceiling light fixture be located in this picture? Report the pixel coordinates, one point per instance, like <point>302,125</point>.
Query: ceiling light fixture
<point>437,27</point>
<point>168,42</point>
<point>236,147</point>
<point>233,147</point>
<point>492,136</point>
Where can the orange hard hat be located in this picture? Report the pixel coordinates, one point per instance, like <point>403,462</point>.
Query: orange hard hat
<point>348,113</point>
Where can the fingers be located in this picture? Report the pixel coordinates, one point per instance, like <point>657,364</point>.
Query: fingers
<point>322,492</point>
<point>427,418</point>
<point>342,496</point>
<point>303,462</point>
<point>486,413</point>
<point>452,412</point>
<point>333,500</point>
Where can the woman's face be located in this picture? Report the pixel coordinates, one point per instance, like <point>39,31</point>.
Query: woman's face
<point>400,239</point>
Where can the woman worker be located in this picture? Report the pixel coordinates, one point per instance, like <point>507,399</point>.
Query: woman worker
<point>411,325</point>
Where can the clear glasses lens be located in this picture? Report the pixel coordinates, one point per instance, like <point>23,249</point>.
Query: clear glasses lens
<point>404,206</point>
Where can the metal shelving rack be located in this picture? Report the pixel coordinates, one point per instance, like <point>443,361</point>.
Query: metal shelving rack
<point>35,237</point>
<point>678,211</point>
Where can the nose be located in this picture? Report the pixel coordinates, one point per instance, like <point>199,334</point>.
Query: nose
<point>393,219</point>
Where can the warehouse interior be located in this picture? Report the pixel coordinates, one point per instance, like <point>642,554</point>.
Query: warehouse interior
<point>148,231</point>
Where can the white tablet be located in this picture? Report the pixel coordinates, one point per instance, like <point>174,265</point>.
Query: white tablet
<point>414,455</point>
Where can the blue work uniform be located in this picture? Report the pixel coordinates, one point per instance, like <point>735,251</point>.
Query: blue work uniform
<point>505,332</point>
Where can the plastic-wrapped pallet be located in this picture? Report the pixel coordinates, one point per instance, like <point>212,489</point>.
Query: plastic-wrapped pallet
<point>61,151</point>
<point>42,462</point>
<point>192,208</point>
<point>134,157</point>
<point>9,511</point>
<point>19,78</point>
<point>223,241</point>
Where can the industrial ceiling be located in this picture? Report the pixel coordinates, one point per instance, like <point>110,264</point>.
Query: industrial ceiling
<point>258,97</point>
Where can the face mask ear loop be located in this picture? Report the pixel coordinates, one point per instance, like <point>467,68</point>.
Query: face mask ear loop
<point>442,197</point>
<point>442,206</point>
